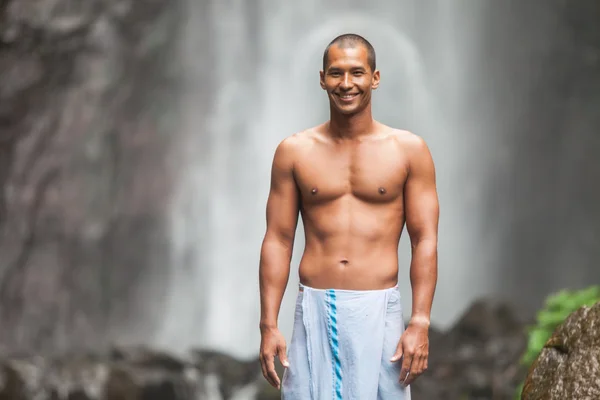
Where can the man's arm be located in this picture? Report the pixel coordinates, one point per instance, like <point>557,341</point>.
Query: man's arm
<point>421,208</point>
<point>422,216</point>
<point>277,246</point>
<point>275,256</point>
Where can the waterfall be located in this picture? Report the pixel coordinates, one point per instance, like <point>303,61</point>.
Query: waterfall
<point>252,79</point>
<point>265,75</point>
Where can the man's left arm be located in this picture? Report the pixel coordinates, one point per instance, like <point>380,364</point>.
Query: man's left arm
<point>421,209</point>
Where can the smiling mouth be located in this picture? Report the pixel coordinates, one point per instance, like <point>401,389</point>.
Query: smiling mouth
<point>348,96</point>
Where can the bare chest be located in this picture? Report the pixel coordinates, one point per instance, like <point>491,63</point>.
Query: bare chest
<point>372,173</point>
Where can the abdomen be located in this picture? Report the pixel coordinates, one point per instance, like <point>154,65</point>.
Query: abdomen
<point>351,243</point>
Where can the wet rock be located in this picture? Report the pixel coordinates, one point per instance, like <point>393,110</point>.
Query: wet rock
<point>145,357</point>
<point>23,378</point>
<point>568,366</point>
<point>134,383</point>
<point>13,385</point>
<point>232,374</point>
<point>76,377</point>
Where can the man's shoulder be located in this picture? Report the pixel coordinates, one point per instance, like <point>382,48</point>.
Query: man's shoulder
<point>301,138</point>
<point>406,140</point>
<point>290,148</point>
<point>414,147</point>
<point>405,137</point>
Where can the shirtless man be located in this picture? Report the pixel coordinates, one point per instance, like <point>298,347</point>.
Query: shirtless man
<point>356,182</point>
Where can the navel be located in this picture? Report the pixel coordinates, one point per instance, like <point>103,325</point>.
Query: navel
<point>382,190</point>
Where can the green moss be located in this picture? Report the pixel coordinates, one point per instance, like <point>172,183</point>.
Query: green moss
<point>557,308</point>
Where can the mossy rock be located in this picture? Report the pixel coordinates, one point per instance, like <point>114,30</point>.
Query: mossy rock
<point>568,366</point>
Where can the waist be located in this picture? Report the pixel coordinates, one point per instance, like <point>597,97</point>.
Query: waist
<point>369,272</point>
<point>302,287</point>
<point>358,257</point>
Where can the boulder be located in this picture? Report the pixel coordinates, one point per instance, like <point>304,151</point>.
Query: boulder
<point>568,366</point>
<point>126,382</point>
<point>22,378</point>
<point>231,374</point>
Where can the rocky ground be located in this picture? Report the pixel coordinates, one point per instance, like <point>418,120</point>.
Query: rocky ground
<point>475,359</point>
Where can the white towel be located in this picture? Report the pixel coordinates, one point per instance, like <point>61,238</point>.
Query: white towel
<point>341,346</point>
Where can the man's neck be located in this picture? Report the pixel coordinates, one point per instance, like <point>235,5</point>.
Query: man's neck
<point>353,126</point>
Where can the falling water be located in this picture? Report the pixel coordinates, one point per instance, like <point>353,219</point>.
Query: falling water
<point>264,73</point>
<point>251,72</point>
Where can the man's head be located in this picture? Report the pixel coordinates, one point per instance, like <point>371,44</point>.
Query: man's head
<point>351,40</point>
<point>349,73</point>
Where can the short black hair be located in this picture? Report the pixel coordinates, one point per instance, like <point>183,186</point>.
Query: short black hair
<point>351,40</point>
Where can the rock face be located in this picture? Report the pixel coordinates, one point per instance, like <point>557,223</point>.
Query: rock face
<point>569,365</point>
<point>86,96</point>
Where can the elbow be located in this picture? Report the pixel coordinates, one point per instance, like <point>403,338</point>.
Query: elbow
<point>427,243</point>
<point>279,238</point>
<point>425,249</point>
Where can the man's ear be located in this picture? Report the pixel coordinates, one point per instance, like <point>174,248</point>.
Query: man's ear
<point>322,79</point>
<point>376,77</point>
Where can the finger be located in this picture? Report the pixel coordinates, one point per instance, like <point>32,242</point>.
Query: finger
<point>283,356</point>
<point>424,365</point>
<point>415,370</point>
<point>397,355</point>
<point>264,367</point>
<point>271,371</point>
<point>406,363</point>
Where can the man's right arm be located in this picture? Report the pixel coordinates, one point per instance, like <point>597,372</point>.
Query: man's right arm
<point>277,246</point>
<point>275,257</point>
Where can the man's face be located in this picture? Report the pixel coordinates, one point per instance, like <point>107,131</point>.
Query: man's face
<point>348,79</point>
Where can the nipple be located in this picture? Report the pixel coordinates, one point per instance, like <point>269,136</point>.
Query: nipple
<point>381,190</point>
<point>314,190</point>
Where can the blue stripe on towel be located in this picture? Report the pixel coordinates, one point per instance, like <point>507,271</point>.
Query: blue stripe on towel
<point>334,343</point>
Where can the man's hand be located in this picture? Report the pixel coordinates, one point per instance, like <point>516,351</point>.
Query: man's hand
<point>414,347</point>
<point>272,345</point>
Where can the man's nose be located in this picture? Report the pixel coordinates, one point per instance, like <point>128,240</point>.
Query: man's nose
<point>346,82</point>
